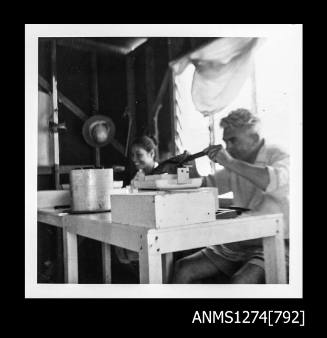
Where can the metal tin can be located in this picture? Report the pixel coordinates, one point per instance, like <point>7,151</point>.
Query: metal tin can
<point>90,190</point>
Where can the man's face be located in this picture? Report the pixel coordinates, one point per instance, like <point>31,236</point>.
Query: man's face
<point>240,143</point>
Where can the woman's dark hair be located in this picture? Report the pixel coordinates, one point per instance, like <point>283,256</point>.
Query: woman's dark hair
<point>146,142</point>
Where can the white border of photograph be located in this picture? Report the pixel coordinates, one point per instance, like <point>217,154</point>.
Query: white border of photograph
<point>33,290</point>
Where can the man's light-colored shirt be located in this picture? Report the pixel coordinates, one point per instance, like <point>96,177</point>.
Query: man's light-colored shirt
<point>275,199</point>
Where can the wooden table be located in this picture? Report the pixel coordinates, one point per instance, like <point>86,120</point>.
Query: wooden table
<point>155,246</point>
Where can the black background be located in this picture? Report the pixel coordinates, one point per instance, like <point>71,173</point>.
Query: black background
<point>157,315</point>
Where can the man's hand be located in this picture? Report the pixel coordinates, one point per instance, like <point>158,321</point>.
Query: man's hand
<point>219,155</point>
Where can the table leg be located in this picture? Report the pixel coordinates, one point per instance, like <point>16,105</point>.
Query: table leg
<point>60,257</point>
<point>106,263</point>
<point>150,262</point>
<point>167,267</point>
<point>274,254</point>
<point>70,257</point>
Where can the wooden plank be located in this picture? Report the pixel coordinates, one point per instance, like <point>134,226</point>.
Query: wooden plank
<point>89,45</point>
<point>215,233</point>
<point>49,216</point>
<point>63,99</point>
<point>52,198</point>
<point>274,254</point>
<point>70,256</point>
<point>106,263</point>
<point>100,228</point>
<point>94,84</point>
<point>130,80</point>
<point>118,146</point>
<point>95,100</point>
<point>72,107</point>
<point>63,169</point>
<point>66,169</point>
<point>93,46</point>
<point>162,91</point>
<point>44,170</point>
<point>172,100</point>
<point>55,117</point>
<point>158,104</point>
<point>167,267</point>
<point>150,263</point>
<point>150,84</point>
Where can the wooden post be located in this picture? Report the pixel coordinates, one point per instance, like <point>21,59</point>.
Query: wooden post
<point>167,267</point>
<point>150,262</point>
<point>106,263</point>
<point>274,255</point>
<point>157,105</point>
<point>130,80</point>
<point>172,101</point>
<point>212,139</point>
<point>150,85</point>
<point>95,100</point>
<point>55,118</point>
<point>70,257</point>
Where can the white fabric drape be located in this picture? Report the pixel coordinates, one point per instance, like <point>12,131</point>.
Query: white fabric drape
<point>221,69</point>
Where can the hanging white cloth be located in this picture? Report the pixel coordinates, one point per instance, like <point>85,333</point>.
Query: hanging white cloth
<point>221,69</point>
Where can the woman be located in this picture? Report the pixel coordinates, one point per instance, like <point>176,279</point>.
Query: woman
<point>143,153</point>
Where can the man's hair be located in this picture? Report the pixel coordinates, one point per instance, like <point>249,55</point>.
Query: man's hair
<point>240,118</point>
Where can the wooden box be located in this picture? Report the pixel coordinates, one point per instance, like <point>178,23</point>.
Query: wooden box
<point>160,209</point>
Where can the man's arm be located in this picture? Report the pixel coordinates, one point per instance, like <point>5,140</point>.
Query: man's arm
<point>258,175</point>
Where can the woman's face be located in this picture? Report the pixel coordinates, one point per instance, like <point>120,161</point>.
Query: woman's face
<point>142,159</point>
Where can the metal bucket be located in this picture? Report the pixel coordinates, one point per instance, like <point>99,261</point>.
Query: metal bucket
<point>90,190</point>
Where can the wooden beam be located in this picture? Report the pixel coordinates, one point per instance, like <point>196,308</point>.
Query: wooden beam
<point>158,105</point>
<point>130,80</point>
<point>88,45</point>
<point>70,253</point>
<point>64,100</point>
<point>76,110</point>
<point>93,46</point>
<point>172,101</point>
<point>55,118</point>
<point>95,100</point>
<point>63,169</point>
<point>52,198</point>
<point>162,91</point>
<point>106,263</point>
<point>118,146</point>
<point>150,84</point>
<point>94,84</point>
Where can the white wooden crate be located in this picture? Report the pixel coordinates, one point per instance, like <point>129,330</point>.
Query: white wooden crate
<point>160,209</point>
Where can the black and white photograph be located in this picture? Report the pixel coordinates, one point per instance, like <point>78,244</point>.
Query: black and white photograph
<point>164,161</point>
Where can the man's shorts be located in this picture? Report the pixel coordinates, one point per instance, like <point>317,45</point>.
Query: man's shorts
<point>229,261</point>
<point>229,258</point>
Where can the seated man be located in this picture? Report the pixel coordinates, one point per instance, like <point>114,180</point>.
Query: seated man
<point>258,176</point>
